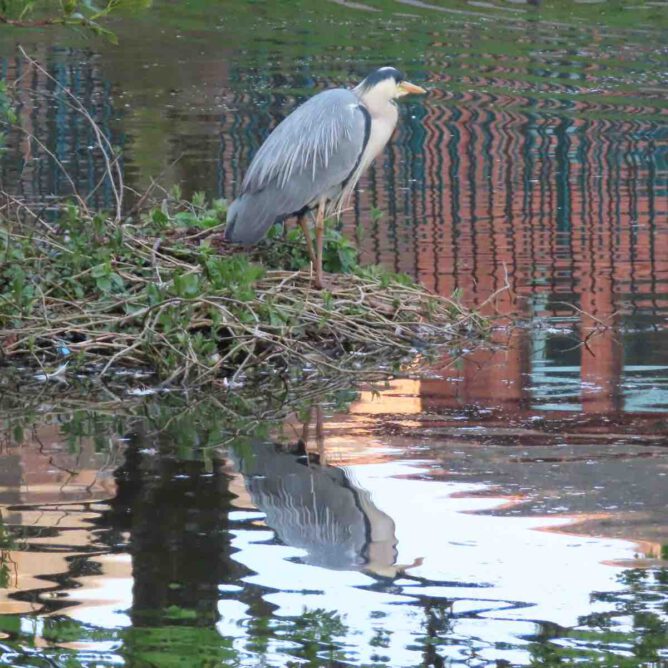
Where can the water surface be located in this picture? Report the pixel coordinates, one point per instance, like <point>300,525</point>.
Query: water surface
<point>535,166</point>
<point>506,507</point>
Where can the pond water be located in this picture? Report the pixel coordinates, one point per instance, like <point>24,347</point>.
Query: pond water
<point>506,509</point>
<point>152,534</point>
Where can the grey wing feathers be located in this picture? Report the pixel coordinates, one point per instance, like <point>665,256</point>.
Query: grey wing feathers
<point>308,155</point>
<point>306,139</point>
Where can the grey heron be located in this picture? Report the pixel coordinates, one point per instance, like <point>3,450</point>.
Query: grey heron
<point>313,159</point>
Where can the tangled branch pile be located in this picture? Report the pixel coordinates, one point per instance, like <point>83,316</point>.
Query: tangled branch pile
<point>163,292</point>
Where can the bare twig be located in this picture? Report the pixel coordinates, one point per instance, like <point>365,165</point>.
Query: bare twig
<point>111,161</point>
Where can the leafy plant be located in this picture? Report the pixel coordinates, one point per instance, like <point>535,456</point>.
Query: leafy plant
<point>286,248</point>
<point>7,113</point>
<point>81,14</point>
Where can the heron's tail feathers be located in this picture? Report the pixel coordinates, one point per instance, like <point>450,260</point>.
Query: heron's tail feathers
<point>249,218</point>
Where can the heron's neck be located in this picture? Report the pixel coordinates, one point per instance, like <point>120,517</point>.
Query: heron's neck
<point>378,107</point>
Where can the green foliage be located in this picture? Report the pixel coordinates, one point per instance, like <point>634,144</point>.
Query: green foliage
<point>383,276</point>
<point>7,113</point>
<point>236,273</point>
<point>181,641</point>
<point>197,214</point>
<point>314,633</point>
<point>168,645</point>
<point>286,248</point>
<point>599,637</point>
<point>339,256</point>
<point>7,543</point>
<point>80,14</point>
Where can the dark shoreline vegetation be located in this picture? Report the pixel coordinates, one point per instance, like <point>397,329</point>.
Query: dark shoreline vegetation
<point>192,425</point>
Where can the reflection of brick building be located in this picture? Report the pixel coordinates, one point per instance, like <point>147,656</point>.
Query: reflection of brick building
<point>46,114</point>
<point>569,210</point>
<point>49,486</point>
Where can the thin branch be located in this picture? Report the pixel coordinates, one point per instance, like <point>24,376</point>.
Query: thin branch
<point>111,161</point>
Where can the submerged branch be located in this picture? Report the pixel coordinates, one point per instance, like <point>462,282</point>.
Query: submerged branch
<point>30,23</point>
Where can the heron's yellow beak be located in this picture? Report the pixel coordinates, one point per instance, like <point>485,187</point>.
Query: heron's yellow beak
<point>407,88</point>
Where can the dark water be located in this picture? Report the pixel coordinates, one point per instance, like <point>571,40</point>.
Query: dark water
<point>510,507</point>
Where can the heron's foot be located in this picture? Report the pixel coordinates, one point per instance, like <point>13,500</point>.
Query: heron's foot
<point>316,277</point>
<point>320,283</point>
<point>307,237</point>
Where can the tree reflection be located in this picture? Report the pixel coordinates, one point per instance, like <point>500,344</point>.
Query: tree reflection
<point>636,630</point>
<point>177,514</point>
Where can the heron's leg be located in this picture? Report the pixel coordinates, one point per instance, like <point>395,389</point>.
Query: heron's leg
<point>307,236</point>
<point>319,238</point>
<point>320,435</point>
<point>305,427</point>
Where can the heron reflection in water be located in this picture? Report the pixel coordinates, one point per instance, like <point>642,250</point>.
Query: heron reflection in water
<point>320,508</point>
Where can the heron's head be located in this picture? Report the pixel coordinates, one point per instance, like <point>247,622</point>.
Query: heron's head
<point>384,85</point>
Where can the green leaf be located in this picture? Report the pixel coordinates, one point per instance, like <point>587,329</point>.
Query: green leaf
<point>153,294</point>
<point>100,270</point>
<point>187,286</point>
<point>159,217</point>
<point>103,283</point>
<point>69,6</point>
